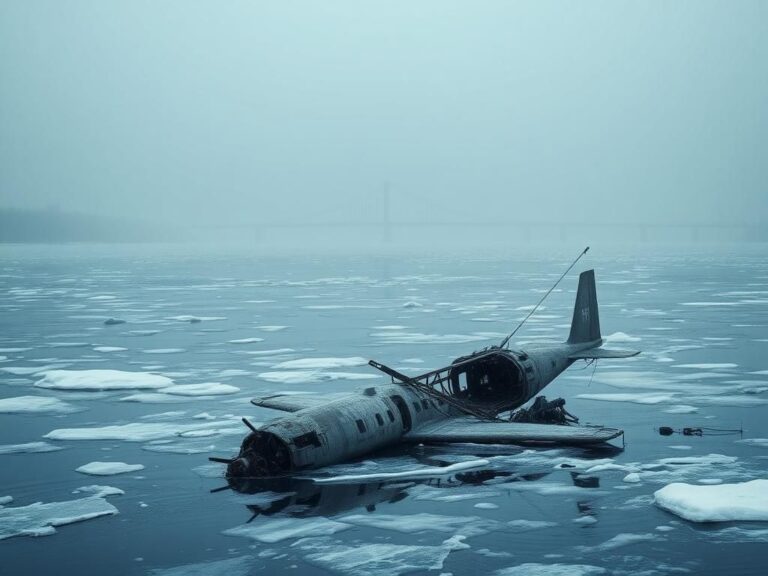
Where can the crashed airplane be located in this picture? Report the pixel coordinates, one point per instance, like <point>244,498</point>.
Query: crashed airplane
<point>462,402</point>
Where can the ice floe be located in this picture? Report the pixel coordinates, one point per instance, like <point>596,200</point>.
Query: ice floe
<point>271,328</point>
<point>108,468</point>
<point>5,500</point>
<point>99,491</point>
<point>239,566</point>
<point>321,363</point>
<point>272,530</point>
<point>134,432</point>
<point>35,404</point>
<point>707,366</point>
<point>531,569</point>
<point>397,337</point>
<point>202,389</point>
<point>101,380</point>
<point>681,409</point>
<point>163,351</point>
<point>620,337</point>
<point>716,503</point>
<point>413,523</point>
<point>637,398</point>
<point>619,541</point>
<point>246,340</point>
<point>109,349</point>
<point>29,448</point>
<point>40,519</point>
<point>307,376</point>
<point>427,472</point>
<point>373,559</point>
<point>521,525</point>
<point>759,442</point>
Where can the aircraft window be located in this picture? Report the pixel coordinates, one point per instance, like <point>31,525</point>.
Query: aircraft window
<point>417,406</point>
<point>424,404</point>
<point>308,439</point>
<point>379,419</point>
<point>391,416</point>
<point>361,426</point>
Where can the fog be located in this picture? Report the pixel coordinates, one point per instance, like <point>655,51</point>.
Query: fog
<point>267,120</point>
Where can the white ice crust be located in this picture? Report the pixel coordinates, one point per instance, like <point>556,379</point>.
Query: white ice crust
<point>716,503</point>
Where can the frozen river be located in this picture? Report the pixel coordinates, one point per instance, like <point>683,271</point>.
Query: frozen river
<point>122,369</point>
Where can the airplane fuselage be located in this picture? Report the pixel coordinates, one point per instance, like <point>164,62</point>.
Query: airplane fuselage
<point>380,416</point>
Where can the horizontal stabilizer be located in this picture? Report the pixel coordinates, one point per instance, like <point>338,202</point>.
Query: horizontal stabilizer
<point>289,402</point>
<point>471,429</point>
<point>597,353</point>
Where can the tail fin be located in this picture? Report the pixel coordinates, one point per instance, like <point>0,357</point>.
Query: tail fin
<point>585,326</point>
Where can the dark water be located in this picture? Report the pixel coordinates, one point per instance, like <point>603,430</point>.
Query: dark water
<point>699,317</point>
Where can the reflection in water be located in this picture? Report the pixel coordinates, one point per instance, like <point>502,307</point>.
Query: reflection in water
<point>302,497</point>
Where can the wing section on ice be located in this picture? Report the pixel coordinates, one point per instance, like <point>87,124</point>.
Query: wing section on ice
<point>471,429</point>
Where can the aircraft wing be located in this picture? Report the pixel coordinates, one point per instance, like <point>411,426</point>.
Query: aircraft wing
<point>289,402</point>
<point>597,353</point>
<point>471,429</point>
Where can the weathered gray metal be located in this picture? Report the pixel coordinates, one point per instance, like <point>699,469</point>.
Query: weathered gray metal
<point>457,403</point>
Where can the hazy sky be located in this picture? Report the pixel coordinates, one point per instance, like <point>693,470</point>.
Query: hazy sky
<point>306,111</point>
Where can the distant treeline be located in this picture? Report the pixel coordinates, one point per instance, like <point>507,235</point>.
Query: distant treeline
<point>53,225</point>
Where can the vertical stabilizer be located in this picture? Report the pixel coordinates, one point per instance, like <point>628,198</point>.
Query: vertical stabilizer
<point>585,326</point>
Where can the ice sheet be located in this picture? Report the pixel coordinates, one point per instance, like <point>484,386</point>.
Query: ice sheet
<point>716,503</point>
<point>108,468</point>
<point>41,519</point>
<point>101,380</point>
<point>35,404</point>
